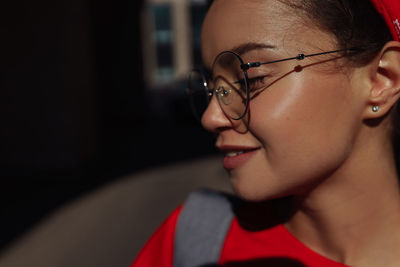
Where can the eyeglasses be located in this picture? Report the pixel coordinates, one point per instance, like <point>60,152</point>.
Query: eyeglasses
<point>231,84</point>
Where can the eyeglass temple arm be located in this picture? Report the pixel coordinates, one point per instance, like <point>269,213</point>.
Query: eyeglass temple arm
<point>249,65</point>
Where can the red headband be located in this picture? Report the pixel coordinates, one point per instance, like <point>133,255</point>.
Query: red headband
<point>390,11</point>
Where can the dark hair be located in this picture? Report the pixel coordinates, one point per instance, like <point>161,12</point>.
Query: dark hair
<point>354,23</point>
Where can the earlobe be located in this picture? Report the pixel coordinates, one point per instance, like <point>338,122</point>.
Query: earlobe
<point>385,81</point>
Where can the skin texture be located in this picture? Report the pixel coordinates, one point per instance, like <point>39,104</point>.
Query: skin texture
<point>316,136</point>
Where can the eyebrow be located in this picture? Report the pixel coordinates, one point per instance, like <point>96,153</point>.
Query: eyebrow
<point>250,46</point>
<point>245,48</point>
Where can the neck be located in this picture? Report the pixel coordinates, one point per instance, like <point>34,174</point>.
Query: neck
<point>354,215</point>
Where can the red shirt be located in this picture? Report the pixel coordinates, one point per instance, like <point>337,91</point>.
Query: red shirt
<point>274,246</point>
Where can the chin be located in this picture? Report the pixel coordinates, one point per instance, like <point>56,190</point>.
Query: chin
<point>257,188</point>
<point>257,195</point>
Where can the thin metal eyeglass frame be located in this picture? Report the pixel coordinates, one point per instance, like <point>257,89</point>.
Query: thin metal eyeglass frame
<point>211,92</point>
<point>249,65</point>
<point>246,66</point>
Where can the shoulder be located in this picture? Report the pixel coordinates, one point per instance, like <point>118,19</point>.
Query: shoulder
<point>161,244</point>
<point>197,230</point>
<point>194,231</point>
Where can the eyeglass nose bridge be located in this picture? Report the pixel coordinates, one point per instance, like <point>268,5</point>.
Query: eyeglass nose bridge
<point>224,94</point>
<point>211,93</point>
<point>220,92</point>
<point>224,99</point>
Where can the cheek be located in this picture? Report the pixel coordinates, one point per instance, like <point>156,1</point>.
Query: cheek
<point>305,122</point>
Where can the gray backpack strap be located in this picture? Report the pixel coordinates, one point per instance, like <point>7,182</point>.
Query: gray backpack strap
<point>201,229</point>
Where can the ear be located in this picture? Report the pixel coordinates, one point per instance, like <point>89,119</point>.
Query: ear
<point>385,81</point>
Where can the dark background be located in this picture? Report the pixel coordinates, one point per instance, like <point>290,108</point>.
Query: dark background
<point>75,111</point>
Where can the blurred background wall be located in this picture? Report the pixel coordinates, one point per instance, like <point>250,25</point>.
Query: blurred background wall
<point>91,91</point>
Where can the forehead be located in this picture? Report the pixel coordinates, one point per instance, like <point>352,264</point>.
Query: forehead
<point>230,23</point>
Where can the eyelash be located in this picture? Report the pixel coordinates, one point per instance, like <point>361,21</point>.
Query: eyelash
<point>256,79</point>
<point>253,82</point>
<point>256,82</point>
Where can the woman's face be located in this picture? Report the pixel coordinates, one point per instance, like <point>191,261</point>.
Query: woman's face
<point>301,127</point>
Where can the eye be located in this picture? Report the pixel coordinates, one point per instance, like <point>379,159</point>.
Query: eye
<point>256,83</point>
<point>242,86</point>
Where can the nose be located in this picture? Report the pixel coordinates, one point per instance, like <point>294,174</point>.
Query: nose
<point>214,119</point>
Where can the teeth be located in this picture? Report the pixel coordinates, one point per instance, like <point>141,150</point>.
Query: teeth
<point>234,154</point>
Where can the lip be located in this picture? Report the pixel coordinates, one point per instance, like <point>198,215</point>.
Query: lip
<point>233,162</point>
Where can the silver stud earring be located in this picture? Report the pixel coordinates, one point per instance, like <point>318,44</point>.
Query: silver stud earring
<point>375,108</point>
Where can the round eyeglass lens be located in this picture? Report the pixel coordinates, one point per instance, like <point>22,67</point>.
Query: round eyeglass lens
<point>230,84</point>
<point>198,93</point>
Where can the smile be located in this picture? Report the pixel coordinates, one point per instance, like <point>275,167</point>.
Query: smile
<point>234,154</point>
<point>237,156</point>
